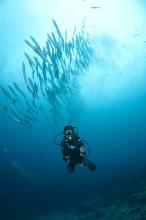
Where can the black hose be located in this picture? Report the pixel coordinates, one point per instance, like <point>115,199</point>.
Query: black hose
<point>56,137</point>
<point>76,130</point>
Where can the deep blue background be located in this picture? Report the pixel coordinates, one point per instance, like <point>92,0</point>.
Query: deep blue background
<point>118,146</point>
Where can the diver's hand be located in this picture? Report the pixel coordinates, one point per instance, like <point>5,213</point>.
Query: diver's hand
<point>82,150</point>
<point>66,157</point>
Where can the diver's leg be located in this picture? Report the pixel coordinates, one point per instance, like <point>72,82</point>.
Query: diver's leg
<point>89,164</point>
<point>70,166</point>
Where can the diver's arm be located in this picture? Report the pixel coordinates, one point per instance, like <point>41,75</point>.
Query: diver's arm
<point>81,147</point>
<point>65,152</point>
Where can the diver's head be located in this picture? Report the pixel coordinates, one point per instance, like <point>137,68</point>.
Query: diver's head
<point>68,131</point>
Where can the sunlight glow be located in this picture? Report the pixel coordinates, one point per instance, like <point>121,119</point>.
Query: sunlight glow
<point>117,29</point>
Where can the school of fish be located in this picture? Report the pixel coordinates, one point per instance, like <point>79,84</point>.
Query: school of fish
<point>50,78</point>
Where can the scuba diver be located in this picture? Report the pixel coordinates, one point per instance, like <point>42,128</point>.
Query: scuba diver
<point>73,150</point>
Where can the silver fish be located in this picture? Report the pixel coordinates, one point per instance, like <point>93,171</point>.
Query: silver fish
<point>19,90</point>
<point>8,95</point>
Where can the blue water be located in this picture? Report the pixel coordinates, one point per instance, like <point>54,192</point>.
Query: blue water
<point>117,141</point>
<point>33,177</point>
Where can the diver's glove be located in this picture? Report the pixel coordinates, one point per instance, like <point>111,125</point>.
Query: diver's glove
<point>82,151</point>
<point>66,157</point>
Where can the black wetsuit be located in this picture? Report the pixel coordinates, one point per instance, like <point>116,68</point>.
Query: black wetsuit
<point>71,148</point>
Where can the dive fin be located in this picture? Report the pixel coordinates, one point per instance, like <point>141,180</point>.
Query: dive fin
<point>90,165</point>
